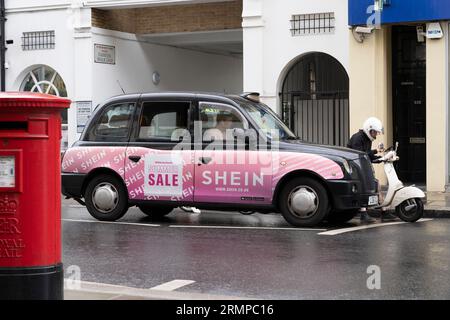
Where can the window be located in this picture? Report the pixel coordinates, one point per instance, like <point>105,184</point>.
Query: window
<point>114,123</point>
<point>44,79</point>
<point>39,40</point>
<point>163,120</point>
<point>315,23</point>
<point>268,121</point>
<point>219,120</point>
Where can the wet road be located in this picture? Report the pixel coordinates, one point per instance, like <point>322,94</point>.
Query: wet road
<point>259,256</point>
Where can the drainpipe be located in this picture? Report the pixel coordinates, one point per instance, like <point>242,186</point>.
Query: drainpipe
<point>2,45</point>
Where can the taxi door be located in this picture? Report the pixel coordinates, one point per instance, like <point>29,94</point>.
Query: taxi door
<point>159,161</point>
<point>226,170</point>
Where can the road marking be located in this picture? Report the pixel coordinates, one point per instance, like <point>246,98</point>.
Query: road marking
<point>172,285</point>
<point>237,227</point>
<point>370,226</point>
<point>192,226</point>
<point>91,288</point>
<point>113,222</point>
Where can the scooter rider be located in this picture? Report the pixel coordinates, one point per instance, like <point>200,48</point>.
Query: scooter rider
<point>362,141</point>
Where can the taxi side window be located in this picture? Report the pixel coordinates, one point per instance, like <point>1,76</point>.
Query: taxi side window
<point>219,120</point>
<point>114,123</point>
<point>163,120</point>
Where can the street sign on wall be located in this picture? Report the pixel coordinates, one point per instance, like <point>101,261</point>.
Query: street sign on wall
<point>104,54</point>
<point>84,110</point>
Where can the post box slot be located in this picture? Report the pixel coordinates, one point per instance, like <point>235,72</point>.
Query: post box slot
<point>14,125</point>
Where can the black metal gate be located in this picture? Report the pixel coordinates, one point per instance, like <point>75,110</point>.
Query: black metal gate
<point>315,100</point>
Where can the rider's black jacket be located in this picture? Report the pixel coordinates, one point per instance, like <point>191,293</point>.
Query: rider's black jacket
<point>360,141</point>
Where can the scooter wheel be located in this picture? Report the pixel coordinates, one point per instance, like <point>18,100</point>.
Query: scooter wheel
<point>410,210</point>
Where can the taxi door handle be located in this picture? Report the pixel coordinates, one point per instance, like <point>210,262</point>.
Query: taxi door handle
<point>134,158</point>
<point>204,160</point>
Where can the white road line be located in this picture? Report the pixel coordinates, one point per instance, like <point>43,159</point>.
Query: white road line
<point>116,290</point>
<point>172,285</point>
<point>370,226</point>
<point>113,222</point>
<point>193,226</point>
<point>237,227</point>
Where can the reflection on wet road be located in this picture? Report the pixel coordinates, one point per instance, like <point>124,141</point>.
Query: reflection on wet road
<point>259,256</point>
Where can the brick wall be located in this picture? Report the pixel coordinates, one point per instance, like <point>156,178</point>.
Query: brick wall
<point>119,20</point>
<point>177,18</point>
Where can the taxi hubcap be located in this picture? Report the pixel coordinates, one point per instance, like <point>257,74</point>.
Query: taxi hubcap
<point>105,197</point>
<point>303,202</point>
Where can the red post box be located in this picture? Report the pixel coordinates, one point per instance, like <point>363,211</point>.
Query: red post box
<point>30,196</point>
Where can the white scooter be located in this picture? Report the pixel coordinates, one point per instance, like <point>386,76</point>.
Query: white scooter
<point>407,201</point>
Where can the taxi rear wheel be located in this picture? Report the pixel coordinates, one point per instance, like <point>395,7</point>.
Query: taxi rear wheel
<point>303,202</point>
<point>106,198</point>
<point>154,211</point>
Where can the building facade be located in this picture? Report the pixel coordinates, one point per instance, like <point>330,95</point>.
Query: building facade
<point>92,50</point>
<point>296,57</point>
<point>324,66</point>
<point>399,52</point>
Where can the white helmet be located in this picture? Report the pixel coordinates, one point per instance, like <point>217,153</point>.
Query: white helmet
<point>372,124</point>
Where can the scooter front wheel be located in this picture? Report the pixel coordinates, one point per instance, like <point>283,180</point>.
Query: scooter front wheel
<point>410,210</point>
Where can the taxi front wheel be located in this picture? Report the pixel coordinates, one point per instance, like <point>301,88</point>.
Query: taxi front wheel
<point>304,202</point>
<point>106,198</point>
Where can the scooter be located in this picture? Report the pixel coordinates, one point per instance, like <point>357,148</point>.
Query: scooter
<point>406,201</point>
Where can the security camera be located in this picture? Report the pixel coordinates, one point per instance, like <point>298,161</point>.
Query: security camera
<point>360,33</point>
<point>364,30</point>
<point>420,34</point>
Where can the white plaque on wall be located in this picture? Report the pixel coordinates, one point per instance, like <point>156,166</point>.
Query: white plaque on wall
<point>104,54</point>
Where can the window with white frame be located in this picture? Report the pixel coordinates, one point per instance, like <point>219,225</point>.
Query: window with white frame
<point>314,23</point>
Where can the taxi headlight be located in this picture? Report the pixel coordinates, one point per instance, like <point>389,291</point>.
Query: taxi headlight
<point>347,167</point>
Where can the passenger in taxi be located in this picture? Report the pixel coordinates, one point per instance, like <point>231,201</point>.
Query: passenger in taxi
<point>224,122</point>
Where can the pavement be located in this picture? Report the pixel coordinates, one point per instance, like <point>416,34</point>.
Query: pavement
<point>437,205</point>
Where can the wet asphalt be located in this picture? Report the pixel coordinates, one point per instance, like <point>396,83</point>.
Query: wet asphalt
<point>259,256</point>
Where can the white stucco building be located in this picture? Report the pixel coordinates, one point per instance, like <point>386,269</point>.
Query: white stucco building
<point>294,52</point>
<point>296,56</point>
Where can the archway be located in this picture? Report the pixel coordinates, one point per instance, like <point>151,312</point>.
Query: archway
<point>314,99</point>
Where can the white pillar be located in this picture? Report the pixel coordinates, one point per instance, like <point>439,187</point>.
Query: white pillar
<point>253,37</point>
<point>82,66</point>
<point>437,111</point>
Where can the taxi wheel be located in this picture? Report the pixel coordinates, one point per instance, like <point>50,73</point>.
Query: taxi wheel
<point>303,202</point>
<point>106,198</point>
<point>154,211</point>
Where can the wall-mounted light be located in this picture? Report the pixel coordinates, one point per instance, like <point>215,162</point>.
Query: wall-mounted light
<point>156,78</point>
